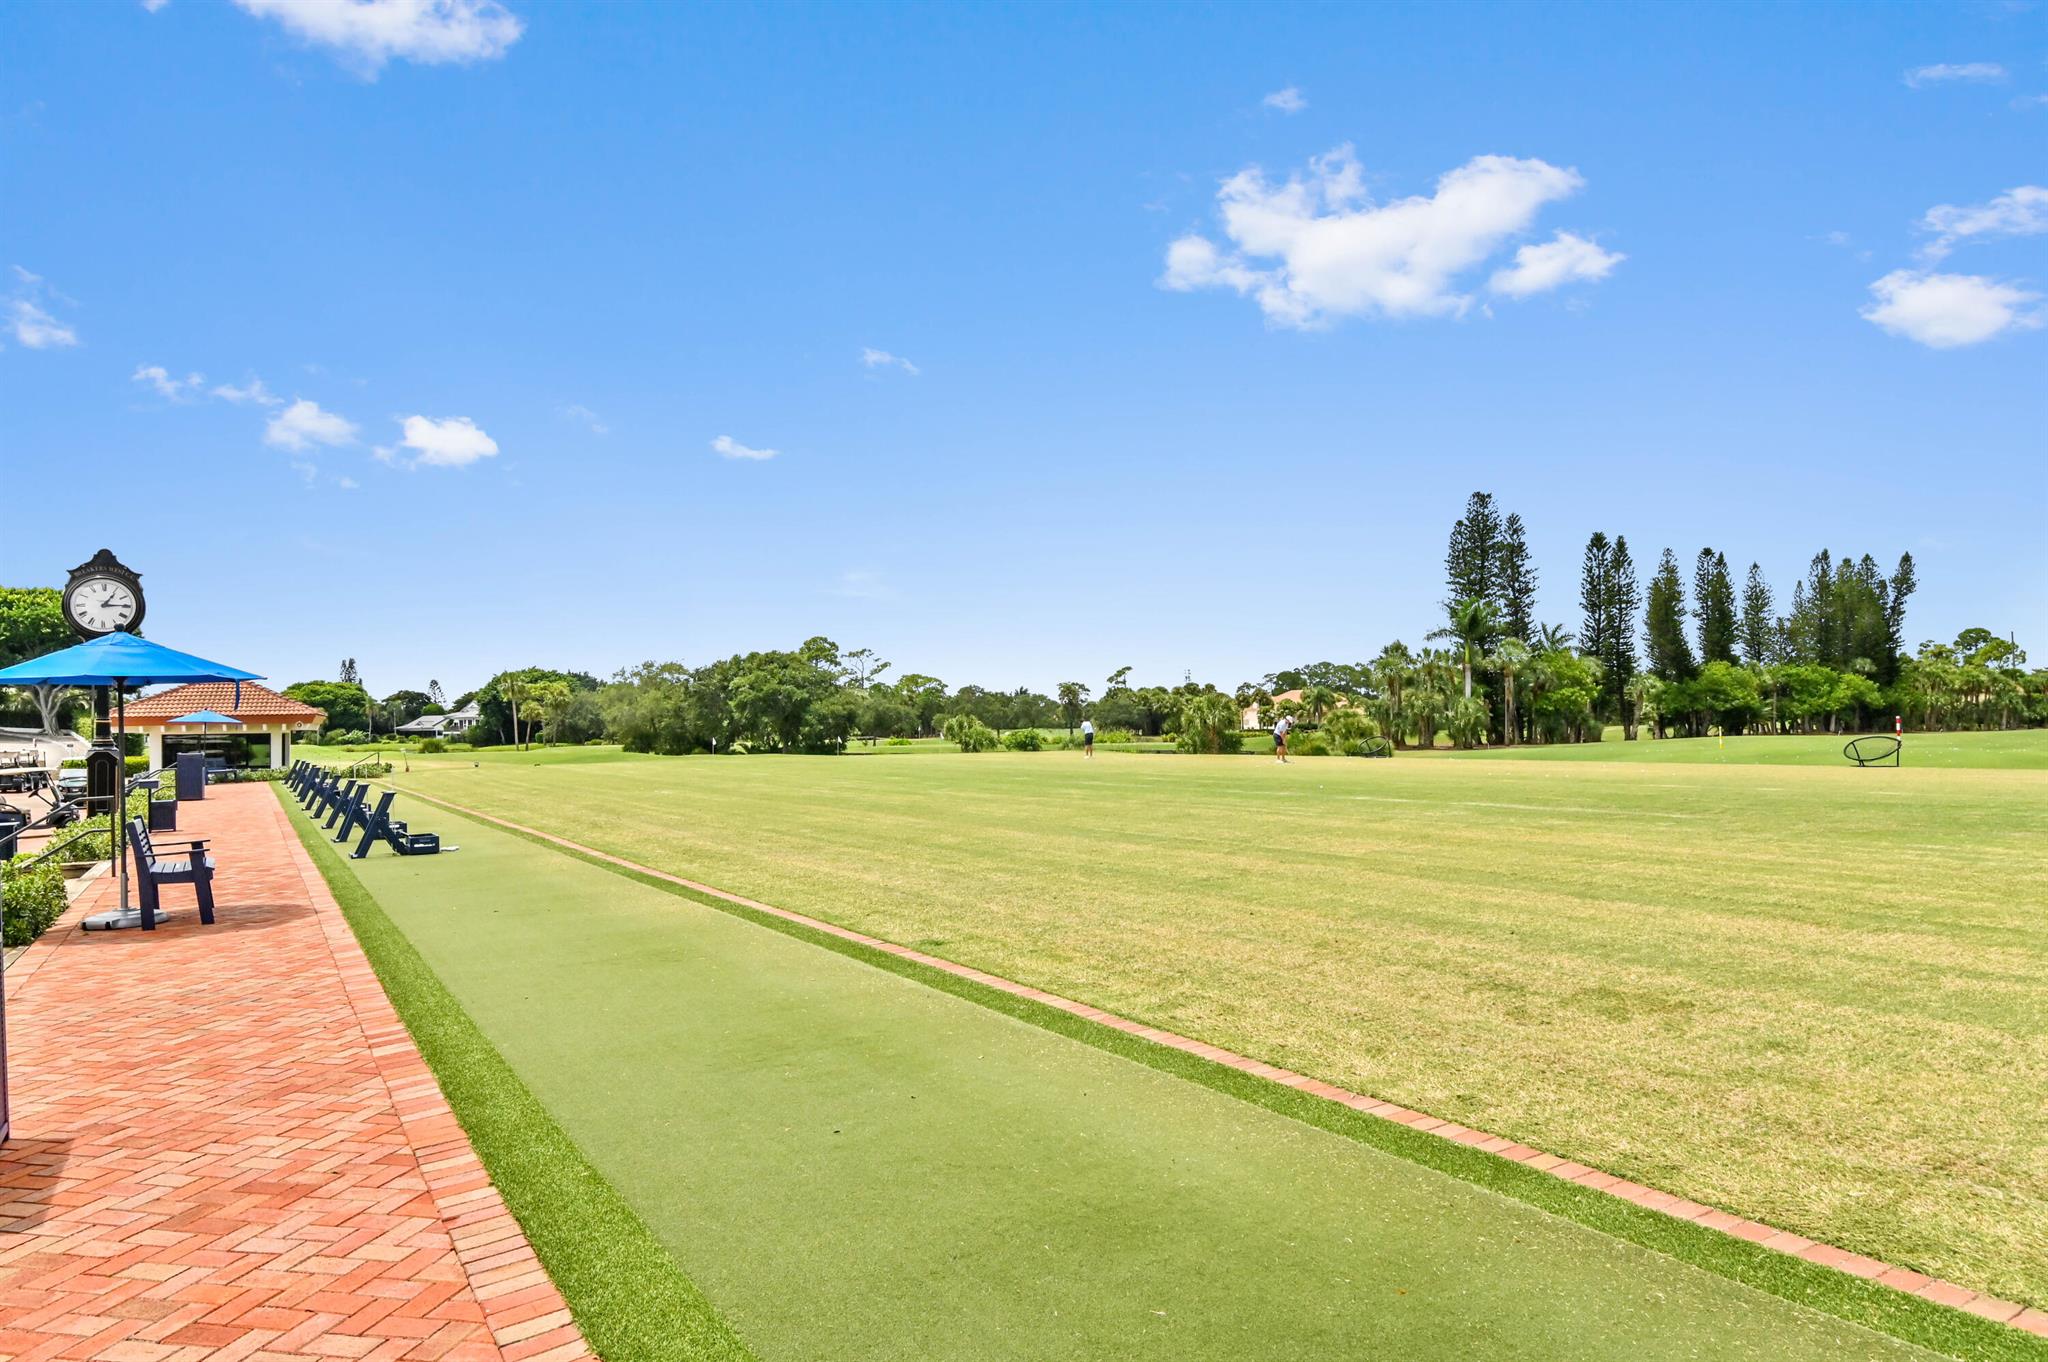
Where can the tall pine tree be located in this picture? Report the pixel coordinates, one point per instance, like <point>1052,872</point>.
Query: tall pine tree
<point>1664,623</point>
<point>1759,627</point>
<point>1472,564</point>
<point>1624,598</point>
<point>1713,606</point>
<point>1515,577</point>
<point>1903,584</point>
<point>1595,604</point>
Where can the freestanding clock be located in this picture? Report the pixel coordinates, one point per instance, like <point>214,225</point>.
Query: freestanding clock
<point>104,596</point>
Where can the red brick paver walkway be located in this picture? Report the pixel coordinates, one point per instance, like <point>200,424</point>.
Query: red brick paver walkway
<point>226,1145</point>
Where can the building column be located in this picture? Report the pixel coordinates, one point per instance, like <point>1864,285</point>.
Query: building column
<point>276,746</point>
<point>156,748</point>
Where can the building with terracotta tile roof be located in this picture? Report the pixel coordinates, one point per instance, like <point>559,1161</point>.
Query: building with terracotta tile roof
<point>260,736</point>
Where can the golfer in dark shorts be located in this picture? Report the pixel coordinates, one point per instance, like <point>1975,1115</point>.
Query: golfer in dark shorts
<point>1088,737</point>
<point>1280,731</point>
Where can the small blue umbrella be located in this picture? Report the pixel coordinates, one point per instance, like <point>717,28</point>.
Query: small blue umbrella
<point>205,716</point>
<point>121,660</point>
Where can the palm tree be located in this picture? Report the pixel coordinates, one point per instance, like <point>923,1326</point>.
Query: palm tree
<point>1509,655</point>
<point>1472,623</point>
<point>1072,696</point>
<point>1390,673</point>
<point>1552,638</point>
<point>1318,701</point>
<point>1641,694</point>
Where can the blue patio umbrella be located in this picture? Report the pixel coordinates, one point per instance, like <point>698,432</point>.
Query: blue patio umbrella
<point>204,717</point>
<point>121,661</point>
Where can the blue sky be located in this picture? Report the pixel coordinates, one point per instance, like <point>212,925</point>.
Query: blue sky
<point>1762,278</point>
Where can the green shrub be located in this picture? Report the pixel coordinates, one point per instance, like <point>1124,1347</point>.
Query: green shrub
<point>1467,725</point>
<point>341,737</point>
<point>1348,728</point>
<point>1116,735</point>
<point>134,766</point>
<point>897,742</point>
<point>971,733</point>
<point>434,746</point>
<point>235,776</point>
<point>1307,745</point>
<point>1210,723</point>
<point>1024,740</point>
<point>30,900</point>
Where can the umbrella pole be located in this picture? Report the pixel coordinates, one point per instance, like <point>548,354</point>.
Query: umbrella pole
<point>120,815</point>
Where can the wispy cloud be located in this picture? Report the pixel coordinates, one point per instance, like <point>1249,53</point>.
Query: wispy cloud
<point>174,389</point>
<point>154,5</point>
<point>303,424</point>
<point>368,33</point>
<point>882,359</point>
<point>728,448</point>
<point>445,442</point>
<point>1974,72</point>
<point>27,319</point>
<point>250,394</point>
<point>1946,311</point>
<point>1288,101</point>
<point>586,418</point>
<point>1564,259</point>
<point>1318,247</point>
<point>2022,211</point>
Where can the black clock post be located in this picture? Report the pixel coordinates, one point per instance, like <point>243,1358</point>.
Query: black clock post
<point>104,596</point>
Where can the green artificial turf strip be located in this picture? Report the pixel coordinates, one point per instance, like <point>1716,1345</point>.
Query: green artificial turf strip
<point>630,1299</point>
<point>2024,749</point>
<point>1881,1308</point>
<point>1816,997</point>
<point>850,1165</point>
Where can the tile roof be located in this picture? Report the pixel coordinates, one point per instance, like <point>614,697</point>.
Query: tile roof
<point>260,704</point>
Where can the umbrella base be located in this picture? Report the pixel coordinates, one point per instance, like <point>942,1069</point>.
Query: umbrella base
<point>116,918</point>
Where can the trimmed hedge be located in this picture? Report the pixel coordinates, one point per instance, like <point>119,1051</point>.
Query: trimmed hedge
<point>30,900</point>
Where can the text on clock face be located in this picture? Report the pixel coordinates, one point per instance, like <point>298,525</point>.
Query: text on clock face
<point>103,605</point>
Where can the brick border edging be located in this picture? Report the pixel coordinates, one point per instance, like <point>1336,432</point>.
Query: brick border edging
<point>2023,1317</point>
<point>523,1309</point>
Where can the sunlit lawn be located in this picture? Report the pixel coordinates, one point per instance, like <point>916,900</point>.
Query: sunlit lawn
<point>1818,996</point>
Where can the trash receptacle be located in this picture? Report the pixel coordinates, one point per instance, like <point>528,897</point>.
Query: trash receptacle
<point>191,775</point>
<point>163,813</point>
<point>12,821</point>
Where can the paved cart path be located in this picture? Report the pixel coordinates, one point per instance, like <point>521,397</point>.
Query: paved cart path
<point>852,1165</point>
<point>226,1146</point>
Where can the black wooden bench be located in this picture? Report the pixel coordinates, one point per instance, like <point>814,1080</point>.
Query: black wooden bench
<point>153,871</point>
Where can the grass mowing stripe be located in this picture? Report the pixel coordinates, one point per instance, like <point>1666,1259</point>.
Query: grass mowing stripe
<point>629,1296</point>
<point>1836,1293</point>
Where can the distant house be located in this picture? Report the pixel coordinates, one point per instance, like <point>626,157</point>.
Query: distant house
<point>442,725</point>
<point>260,736</point>
<point>1253,718</point>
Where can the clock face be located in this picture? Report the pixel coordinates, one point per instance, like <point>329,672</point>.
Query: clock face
<point>102,605</point>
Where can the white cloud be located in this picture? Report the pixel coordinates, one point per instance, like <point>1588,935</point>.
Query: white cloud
<point>587,418</point>
<point>1564,259</point>
<point>2025,102</point>
<point>346,483</point>
<point>882,359</point>
<point>451,442</point>
<point>368,33</point>
<point>303,425</point>
<point>2016,212</point>
<point>159,378</point>
<point>1336,253</point>
<point>154,5</point>
<point>252,393</point>
<point>28,321</point>
<point>1974,71</point>
<point>1949,310</point>
<point>1289,100</point>
<point>729,448</point>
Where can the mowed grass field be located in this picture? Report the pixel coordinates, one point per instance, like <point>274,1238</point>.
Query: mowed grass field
<point>1810,994</point>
